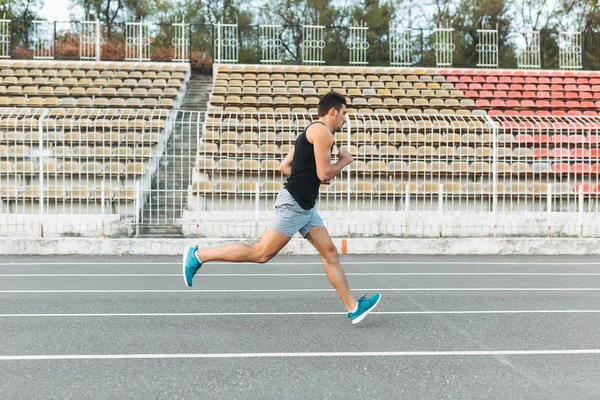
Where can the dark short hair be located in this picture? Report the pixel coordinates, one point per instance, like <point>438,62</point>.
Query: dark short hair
<point>331,99</point>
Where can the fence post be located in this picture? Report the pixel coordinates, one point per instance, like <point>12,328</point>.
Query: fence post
<point>549,209</point>
<point>580,194</point>
<point>406,207</point>
<point>41,162</point>
<point>490,121</point>
<point>102,200</point>
<point>54,39</point>
<point>440,208</point>
<point>256,208</point>
<point>137,206</point>
<point>349,130</point>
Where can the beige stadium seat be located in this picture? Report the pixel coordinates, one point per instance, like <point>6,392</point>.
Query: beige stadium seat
<point>270,165</point>
<point>517,188</point>
<point>459,167</point>
<point>439,167</point>
<point>538,188</point>
<point>24,167</point>
<point>271,187</point>
<point>377,167</point>
<point>362,188</point>
<point>79,193</point>
<point>113,168</point>
<point>135,168</point>
<point>429,188</point>
<point>122,194</point>
<point>249,165</point>
<point>419,167</point>
<point>521,168</point>
<point>90,168</point>
<point>205,164</point>
<point>227,165</point>
<point>480,168</point>
<point>69,167</point>
<point>247,187</point>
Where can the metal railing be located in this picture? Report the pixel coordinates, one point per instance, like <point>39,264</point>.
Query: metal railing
<point>413,175</point>
<point>120,171</point>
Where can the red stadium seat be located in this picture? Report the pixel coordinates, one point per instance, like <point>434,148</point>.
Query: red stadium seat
<point>586,188</point>
<point>541,152</point>
<point>524,138</point>
<point>559,139</point>
<point>527,104</point>
<point>580,153</point>
<point>561,168</point>
<point>577,139</point>
<point>541,139</point>
<point>581,168</point>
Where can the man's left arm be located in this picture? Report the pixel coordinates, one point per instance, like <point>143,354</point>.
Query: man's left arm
<point>286,165</point>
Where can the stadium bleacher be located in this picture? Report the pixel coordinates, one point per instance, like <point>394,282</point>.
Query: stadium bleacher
<point>415,130</point>
<point>92,131</point>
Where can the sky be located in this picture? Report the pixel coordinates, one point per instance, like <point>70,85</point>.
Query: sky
<point>56,10</point>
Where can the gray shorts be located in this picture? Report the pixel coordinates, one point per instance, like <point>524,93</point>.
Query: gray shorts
<point>289,218</point>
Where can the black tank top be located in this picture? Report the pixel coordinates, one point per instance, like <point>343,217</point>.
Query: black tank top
<point>303,183</point>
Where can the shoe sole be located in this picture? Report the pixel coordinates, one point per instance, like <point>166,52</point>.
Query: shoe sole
<point>363,315</point>
<point>185,253</point>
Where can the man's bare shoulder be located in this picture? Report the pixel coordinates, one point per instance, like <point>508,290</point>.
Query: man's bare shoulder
<point>318,132</point>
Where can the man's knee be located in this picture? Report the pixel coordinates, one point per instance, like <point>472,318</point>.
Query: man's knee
<point>329,252</point>
<point>264,255</point>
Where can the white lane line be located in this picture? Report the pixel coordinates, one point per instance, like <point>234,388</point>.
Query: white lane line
<point>242,314</point>
<point>310,274</point>
<point>298,355</point>
<point>451,289</point>
<point>301,263</point>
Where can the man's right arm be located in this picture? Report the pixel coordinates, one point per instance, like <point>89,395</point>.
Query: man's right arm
<point>322,141</point>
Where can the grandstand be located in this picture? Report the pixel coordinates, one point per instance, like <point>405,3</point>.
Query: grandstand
<point>456,140</point>
<point>82,140</point>
<point>95,147</point>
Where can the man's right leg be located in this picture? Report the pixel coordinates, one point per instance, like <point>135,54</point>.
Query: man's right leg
<point>269,245</point>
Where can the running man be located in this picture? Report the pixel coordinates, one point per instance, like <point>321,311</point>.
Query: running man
<point>307,166</point>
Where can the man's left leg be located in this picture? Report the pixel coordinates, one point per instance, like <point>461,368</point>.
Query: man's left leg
<point>320,239</point>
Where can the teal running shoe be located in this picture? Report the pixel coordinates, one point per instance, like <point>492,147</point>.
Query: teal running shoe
<point>191,265</point>
<point>364,307</point>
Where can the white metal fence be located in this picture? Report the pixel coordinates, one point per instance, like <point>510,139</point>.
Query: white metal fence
<point>529,50</point>
<point>270,43</point>
<point>137,41</point>
<point>66,172</point>
<point>227,45</point>
<point>421,175</point>
<point>91,39</point>
<point>444,46</point>
<point>400,47</point>
<point>570,50</point>
<point>123,172</point>
<point>487,48</point>
<point>181,42</point>
<point>313,44</point>
<point>5,38</point>
<point>358,43</point>
<point>43,40</point>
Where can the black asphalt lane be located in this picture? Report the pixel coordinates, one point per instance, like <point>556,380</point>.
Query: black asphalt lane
<point>527,376</point>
